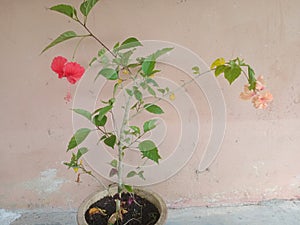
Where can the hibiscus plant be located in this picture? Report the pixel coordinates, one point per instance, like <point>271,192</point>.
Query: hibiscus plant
<point>120,68</point>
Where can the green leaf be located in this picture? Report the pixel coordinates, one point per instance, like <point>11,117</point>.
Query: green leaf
<point>81,152</point>
<point>116,86</point>
<point>196,70</point>
<point>163,91</point>
<point>114,163</point>
<point>133,65</point>
<point>116,45</point>
<point>103,111</point>
<point>160,52</point>
<point>79,136</point>
<point>149,150</point>
<point>135,129</point>
<point>148,67</point>
<point>241,62</point>
<point>151,81</point>
<point>102,138</point>
<point>154,72</point>
<point>108,73</point>
<point>144,85</point>
<point>128,188</point>
<point>152,108</point>
<point>220,69</point>
<point>149,125</point>
<point>148,64</point>
<point>141,175</point>
<point>86,6</point>
<point>67,10</point>
<point>135,105</point>
<point>217,62</point>
<point>138,95</point>
<point>232,73</point>
<point>101,122</point>
<point>251,78</point>
<point>68,164</point>
<point>111,101</point>
<point>131,174</point>
<point>151,91</point>
<point>104,60</point>
<point>125,57</point>
<point>63,37</point>
<point>129,92</point>
<point>117,61</point>
<point>73,162</point>
<point>110,141</point>
<point>83,113</point>
<point>129,43</point>
<point>101,52</point>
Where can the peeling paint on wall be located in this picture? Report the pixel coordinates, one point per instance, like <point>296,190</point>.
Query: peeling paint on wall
<point>7,217</point>
<point>47,183</point>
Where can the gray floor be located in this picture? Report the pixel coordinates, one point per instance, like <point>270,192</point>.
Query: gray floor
<point>266,213</point>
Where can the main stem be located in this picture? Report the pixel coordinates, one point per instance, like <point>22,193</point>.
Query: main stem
<point>123,126</point>
<point>120,151</point>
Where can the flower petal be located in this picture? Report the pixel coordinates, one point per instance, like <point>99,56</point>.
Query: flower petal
<point>73,72</point>
<point>261,101</point>
<point>58,64</point>
<point>247,94</point>
<point>268,96</point>
<point>260,83</point>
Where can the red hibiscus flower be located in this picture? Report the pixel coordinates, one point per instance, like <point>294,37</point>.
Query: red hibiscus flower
<point>71,70</point>
<point>58,64</point>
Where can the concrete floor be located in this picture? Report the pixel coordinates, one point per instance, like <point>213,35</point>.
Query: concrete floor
<point>266,213</point>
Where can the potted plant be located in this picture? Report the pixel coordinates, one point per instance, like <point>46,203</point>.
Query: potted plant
<point>122,203</point>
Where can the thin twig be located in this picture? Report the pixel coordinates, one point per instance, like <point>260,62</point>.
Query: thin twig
<point>96,38</point>
<point>92,175</point>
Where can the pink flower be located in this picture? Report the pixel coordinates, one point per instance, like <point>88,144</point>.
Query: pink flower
<point>247,94</point>
<point>261,101</point>
<point>260,97</point>
<point>260,83</point>
<point>58,64</point>
<point>71,70</point>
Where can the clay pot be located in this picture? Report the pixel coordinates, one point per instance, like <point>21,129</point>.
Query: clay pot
<point>152,197</point>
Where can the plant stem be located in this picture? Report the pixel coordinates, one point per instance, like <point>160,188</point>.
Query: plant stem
<point>92,175</point>
<point>134,141</point>
<point>120,151</point>
<point>77,45</point>
<point>96,38</point>
<point>245,75</point>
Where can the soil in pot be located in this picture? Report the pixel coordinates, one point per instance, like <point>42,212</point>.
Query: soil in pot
<point>137,211</point>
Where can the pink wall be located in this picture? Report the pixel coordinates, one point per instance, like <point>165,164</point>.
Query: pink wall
<point>260,153</point>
